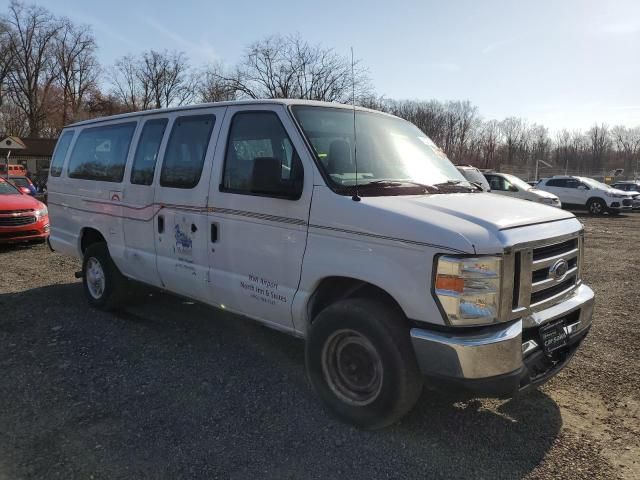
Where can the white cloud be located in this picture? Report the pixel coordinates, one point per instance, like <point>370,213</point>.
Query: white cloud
<point>445,66</point>
<point>201,50</point>
<point>624,28</point>
<point>493,46</point>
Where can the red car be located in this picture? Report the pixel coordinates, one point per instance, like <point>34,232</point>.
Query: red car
<point>22,217</point>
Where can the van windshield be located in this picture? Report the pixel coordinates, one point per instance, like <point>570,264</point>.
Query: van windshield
<point>388,150</point>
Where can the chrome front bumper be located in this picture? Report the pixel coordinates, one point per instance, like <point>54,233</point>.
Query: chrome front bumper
<point>498,358</point>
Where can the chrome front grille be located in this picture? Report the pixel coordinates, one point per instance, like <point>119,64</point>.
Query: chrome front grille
<point>16,218</point>
<point>543,273</point>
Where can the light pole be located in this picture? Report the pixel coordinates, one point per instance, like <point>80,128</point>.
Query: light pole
<point>538,161</point>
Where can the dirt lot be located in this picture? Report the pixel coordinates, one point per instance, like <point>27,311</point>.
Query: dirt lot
<point>176,390</point>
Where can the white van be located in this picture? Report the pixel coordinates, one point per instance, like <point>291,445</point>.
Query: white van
<point>253,207</point>
<point>512,186</point>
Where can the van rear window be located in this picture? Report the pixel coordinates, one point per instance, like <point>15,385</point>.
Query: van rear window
<point>100,153</point>
<point>60,154</point>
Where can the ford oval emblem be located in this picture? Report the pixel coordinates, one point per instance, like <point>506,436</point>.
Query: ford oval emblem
<point>559,269</point>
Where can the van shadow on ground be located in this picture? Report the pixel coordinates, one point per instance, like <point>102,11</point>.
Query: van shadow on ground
<point>172,389</point>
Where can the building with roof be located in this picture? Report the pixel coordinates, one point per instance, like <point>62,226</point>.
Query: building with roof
<point>34,153</point>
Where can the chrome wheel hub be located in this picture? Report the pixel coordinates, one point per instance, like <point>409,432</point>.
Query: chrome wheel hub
<point>95,278</point>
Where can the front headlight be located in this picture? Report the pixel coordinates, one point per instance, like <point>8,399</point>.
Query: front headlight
<point>42,212</point>
<point>547,201</point>
<point>613,195</point>
<point>468,289</point>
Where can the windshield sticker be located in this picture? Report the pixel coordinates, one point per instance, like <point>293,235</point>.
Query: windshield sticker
<point>263,290</point>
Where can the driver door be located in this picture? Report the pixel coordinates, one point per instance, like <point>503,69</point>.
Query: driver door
<point>258,213</point>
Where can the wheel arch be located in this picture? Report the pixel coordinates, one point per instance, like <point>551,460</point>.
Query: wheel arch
<point>332,289</point>
<point>89,236</point>
<point>593,199</point>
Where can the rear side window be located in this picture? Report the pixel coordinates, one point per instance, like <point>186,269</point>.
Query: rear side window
<point>558,182</point>
<point>144,162</point>
<point>186,150</point>
<point>100,153</point>
<point>260,158</point>
<point>60,154</point>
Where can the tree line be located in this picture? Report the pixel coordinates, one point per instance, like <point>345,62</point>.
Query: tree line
<point>50,76</point>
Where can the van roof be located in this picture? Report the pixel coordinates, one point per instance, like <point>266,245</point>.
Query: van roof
<point>276,101</point>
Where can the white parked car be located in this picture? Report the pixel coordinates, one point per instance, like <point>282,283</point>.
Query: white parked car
<point>390,265</point>
<point>587,193</point>
<point>475,176</point>
<point>512,186</point>
<point>632,187</point>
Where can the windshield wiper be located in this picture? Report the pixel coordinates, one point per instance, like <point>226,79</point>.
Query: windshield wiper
<point>456,185</point>
<point>387,183</point>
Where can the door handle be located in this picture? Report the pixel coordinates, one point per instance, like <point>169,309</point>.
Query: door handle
<point>214,232</point>
<point>160,224</point>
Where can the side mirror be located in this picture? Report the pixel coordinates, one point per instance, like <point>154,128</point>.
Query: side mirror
<point>513,188</point>
<point>582,187</point>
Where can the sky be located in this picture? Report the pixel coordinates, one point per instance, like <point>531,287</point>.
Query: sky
<point>567,63</point>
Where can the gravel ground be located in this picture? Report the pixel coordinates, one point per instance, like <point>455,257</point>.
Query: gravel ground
<point>171,389</point>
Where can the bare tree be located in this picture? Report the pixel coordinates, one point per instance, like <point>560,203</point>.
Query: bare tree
<point>127,88</point>
<point>563,144</point>
<point>153,80</point>
<point>75,51</point>
<point>490,139</point>
<point>32,36</point>
<point>289,67</point>
<point>6,58</point>
<point>166,76</point>
<point>512,130</point>
<point>214,85</point>
<point>599,143</point>
<point>627,141</point>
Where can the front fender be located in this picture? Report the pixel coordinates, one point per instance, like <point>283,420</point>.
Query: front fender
<point>401,270</point>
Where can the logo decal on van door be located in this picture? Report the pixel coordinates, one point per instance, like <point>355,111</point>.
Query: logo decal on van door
<point>183,240</point>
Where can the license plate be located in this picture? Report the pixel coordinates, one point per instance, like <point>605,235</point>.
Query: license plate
<point>553,336</point>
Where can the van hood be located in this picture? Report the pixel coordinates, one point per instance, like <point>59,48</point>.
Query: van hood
<point>491,211</point>
<point>458,222</point>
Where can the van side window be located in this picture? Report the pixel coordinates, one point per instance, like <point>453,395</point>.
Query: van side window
<point>100,153</point>
<point>260,158</point>
<point>144,162</point>
<point>60,154</point>
<point>186,150</point>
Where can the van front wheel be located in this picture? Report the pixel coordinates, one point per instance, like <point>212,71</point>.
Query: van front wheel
<point>104,286</point>
<point>361,363</point>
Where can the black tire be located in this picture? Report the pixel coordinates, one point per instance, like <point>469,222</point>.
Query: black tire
<point>596,206</point>
<point>360,324</point>
<point>113,293</point>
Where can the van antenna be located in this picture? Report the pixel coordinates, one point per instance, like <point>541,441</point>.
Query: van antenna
<point>356,196</point>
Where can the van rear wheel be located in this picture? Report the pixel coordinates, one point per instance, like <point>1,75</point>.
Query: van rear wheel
<point>361,363</point>
<point>104,286</point>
